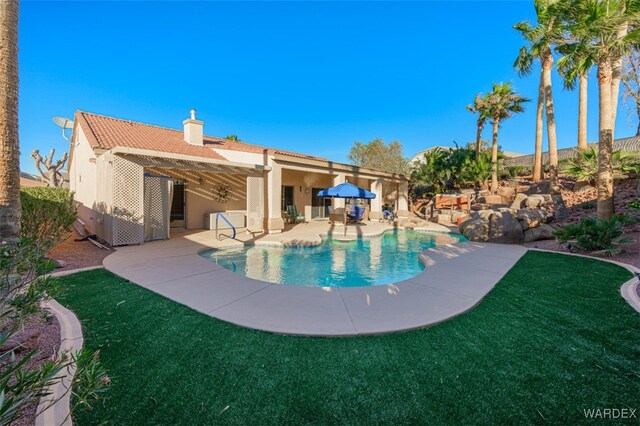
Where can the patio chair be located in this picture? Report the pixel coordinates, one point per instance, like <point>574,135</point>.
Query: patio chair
<point>292,212</point>
<point>357,215</point>
<point>286,217</point>
<point>388,216</point>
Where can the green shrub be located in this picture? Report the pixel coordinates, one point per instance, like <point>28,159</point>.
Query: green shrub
<point>504,174</point>
<point>523,170</point>
<point>599,236</point>
<point>22,386</point>
<point>515,171</point>
<point>47,214</point>
<point>635,204</point>
<point>447,169</point>
<point>23,288</point>
<point>89,381</point>
<point>584,167</point>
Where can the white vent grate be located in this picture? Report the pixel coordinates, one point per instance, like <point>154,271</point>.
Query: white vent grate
<point>156,213</point>
<point>128,202</point>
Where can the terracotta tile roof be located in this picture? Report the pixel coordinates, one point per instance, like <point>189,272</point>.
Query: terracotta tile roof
<point>109,132</point>
<point>247,147</point>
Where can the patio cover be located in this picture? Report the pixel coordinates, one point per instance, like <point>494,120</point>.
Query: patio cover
<point>147,158</point>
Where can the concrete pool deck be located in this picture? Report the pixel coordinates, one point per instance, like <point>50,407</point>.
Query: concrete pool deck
<point>455,279</point>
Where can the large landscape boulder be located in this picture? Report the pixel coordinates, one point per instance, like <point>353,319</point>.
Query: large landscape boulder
<point>505,228</point>
<point>542,232</point>
<point>496,227</point>
<point>515,224</point>
<point>490,199</point>
<point>534,200</point>
<point>507,193</point>
<point>484,214</point>
<point>480,206</point>
<point>475,229</point>
<point>532,218</point>
<point>518,200</point>
<point>458,217</point>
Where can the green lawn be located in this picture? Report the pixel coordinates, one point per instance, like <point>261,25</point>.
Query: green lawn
<point>553,338</point>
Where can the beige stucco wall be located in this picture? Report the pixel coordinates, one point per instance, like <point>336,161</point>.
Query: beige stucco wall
<point>361,182</point>
<point>297,179</point>
<point>199,196</point>
<point>301,181</point>
<point>83,180</point>
<point>389,193</point>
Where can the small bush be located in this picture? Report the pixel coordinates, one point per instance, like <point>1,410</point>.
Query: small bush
<point>634,204</point>
<point>600,236</point>
<point>23,288</point>
<point>47,214</point>
<point>588,205</point>
<point>584,167</point>
<point>90,380</point>
<point>443,170</point>
<point>504,174</point>
<point>517,171</point>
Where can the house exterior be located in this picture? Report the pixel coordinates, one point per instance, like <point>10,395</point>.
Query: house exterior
<point>135,182</point>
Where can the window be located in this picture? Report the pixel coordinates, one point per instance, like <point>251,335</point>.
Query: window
<point>287,197</point>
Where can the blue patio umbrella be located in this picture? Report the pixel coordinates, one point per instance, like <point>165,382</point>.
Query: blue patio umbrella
<point>346,190</point>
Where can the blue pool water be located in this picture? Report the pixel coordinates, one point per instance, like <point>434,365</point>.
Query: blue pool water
<point>365,262</point>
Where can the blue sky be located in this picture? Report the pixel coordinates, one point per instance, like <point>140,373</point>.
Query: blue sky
<point>306,76</point>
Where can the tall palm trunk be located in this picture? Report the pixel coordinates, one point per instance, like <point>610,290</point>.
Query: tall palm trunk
<point>537,157</point>
<point>547,64</point>
<point>638,112</point>
<point>494,154</point>
<point>582,112</point>
<point>616,72</point>
<point>479,139</point>
<point>9,148</point>
<point>605,208</point>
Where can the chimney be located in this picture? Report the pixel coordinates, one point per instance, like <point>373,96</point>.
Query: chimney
<point>193,130</point>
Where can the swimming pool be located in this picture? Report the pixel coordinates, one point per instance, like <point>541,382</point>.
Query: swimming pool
<point>390,258</point>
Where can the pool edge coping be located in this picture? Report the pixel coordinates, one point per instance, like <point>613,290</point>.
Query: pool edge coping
<point>369,318</point>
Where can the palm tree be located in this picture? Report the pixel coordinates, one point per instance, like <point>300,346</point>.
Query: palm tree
<point>9,148</point>
<point>503,102</point>
<point>600,22</point>
<point>539,40</point>
<point>574,66</point>
<point>479,107</point>
<point>631,80</point>
<point>616,68</point>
